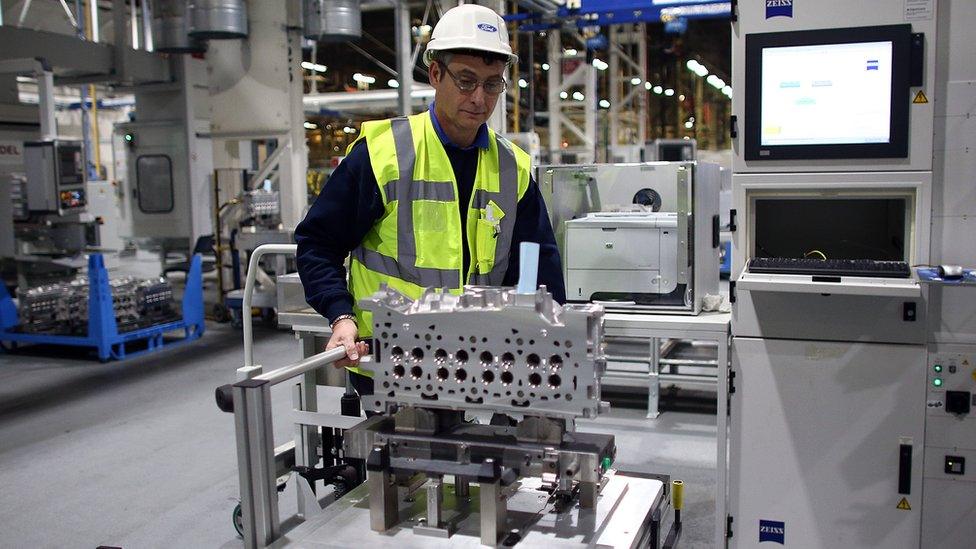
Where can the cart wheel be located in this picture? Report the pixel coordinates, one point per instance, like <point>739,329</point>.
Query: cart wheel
<point>238,518</point>
<point>220,312</point>
<point>269,317</point>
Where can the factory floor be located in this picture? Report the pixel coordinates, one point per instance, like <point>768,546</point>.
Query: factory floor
<point>135,454</point>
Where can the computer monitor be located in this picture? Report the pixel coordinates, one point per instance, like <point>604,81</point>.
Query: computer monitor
<point>833,93</point>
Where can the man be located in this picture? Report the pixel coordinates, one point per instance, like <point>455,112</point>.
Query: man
<point>397,201</point>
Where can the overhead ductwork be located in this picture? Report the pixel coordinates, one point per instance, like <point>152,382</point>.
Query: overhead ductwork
<point>170,28</point>
<point>333,20</point>
<point>218,19</point>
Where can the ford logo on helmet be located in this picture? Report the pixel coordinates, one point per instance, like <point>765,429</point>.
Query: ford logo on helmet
<point>487,28</point>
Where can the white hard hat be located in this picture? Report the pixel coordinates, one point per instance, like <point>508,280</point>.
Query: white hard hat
<point>470,27</point>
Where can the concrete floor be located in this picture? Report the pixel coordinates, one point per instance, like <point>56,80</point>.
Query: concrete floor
<point>136,454</point>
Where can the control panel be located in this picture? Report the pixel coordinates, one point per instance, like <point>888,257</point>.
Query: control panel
<point>950,447</point>
<point>55,176</point>
<point>951,384</point>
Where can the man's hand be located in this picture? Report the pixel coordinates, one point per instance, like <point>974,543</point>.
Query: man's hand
<point>344,334</point>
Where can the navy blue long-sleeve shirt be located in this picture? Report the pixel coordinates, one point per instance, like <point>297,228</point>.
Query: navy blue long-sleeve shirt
<point>350,205</point>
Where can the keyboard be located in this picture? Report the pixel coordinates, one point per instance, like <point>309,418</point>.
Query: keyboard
<point>830,267</point>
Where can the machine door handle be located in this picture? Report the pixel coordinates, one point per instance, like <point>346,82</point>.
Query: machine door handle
<point>716,225</point>
<point>905,469</point>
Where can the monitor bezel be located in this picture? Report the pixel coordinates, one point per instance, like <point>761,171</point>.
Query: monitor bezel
<point>897,145</point>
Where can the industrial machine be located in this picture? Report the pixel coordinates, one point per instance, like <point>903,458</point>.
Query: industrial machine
<point>434,360</point>
<point>168,162</point>
<point>637,237</point>
<point>45,221</point>
<point>478,394</point>
<point>847,427</point>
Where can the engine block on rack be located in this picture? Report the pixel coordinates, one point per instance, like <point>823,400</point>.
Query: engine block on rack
<point>486,349</point>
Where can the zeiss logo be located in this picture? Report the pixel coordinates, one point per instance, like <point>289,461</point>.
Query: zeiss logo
<point>779,8</point>
<point>770,530</point>
<point>487,28</point>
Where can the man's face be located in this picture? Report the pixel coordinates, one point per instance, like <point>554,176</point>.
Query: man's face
<point>466,110</point>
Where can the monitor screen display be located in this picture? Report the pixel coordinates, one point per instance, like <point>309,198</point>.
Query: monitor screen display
<point>831,93</point>
<point>826,94</point>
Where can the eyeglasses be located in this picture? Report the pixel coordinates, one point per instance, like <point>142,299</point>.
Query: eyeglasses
<point>493,86</point>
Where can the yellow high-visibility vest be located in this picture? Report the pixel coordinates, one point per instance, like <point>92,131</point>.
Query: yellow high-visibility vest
<point>416,244</point>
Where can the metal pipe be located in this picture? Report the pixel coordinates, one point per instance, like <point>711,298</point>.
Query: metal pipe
<point>134,23</point>
<point>84,93</point>
<point>71,18</point>
<point>402,33</point>
<point>118,23</point>
<point>367,55</point>
<point>91,31</point>
<point>45,103</point>
<point>93,20</point>
<point>688,362</point>
<point>23,13</point>
<point>313,362</point>
<point>147,33</point>
<point>256,255</point>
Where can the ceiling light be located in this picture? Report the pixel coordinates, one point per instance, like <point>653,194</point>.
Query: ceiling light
<point>669,92</point>
<point>310,126</point>
<point>604,103</point>
<point>658,90</point>
<point>314,67</point>
<point>522,83</point>
<point>600,64</point>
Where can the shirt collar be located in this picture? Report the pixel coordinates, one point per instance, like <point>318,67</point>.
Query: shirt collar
<point>480,139</point>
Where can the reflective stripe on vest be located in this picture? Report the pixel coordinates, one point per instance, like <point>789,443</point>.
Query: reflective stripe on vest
<point>507,200</point>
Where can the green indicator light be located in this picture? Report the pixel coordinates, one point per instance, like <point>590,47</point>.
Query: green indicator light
<point>937,382</point>
<point>937,368</point>
<point>606,463</point>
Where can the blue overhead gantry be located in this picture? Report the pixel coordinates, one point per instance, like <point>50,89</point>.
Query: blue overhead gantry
<point>615,12</point>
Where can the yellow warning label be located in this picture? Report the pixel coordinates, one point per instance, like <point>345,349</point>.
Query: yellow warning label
<point>920,98</point>
<point>903,505</point>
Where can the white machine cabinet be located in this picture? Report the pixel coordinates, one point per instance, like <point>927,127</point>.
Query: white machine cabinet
<point>811,420</point>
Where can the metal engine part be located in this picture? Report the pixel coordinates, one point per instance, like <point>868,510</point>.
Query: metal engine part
<point>261,203</point>
<point>63,307</point>
<point>486,349</point>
